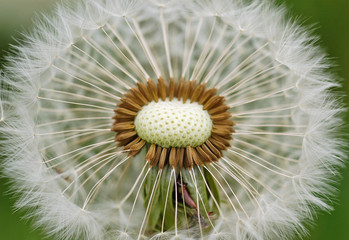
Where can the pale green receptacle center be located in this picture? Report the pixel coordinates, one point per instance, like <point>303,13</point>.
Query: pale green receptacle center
<point>173,123</point>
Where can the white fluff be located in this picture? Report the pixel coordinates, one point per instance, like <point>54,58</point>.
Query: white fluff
<point>59,89</point>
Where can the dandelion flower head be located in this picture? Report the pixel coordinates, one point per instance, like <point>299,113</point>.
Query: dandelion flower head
<point>160,119</point>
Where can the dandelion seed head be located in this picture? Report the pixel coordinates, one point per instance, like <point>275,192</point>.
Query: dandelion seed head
<point>246,143</point>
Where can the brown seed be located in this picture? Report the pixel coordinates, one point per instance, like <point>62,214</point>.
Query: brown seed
<point>163,156</point>
<point>186,91</point>
<point>137,93</point>
<point>161,89</point>
<point>203,155</point>
<point>124,118</point>
<point>221,139</point>
<point>179,92</point>
<point>192,86</point>
<point>197,93</point>
<point>181,156</point>
<point>196,158</point>
<point>214,157</point>
<point>124,126</point>
<point>134,150</point>
<point>213,102</point>
<point>215,150</point>
<point>156,157</point>
<point>173,158</point>
<point>125,135</point>
<point>123,143</point>
<point>220,146</point>
<point>145,91</point>
<point>225,122</point>
<point>129,145</point>
<point>172,89</point>
<point>130,104</point>
<point>131,96</point>
<point>188,163</point>
<point>221,116</point>
<point>218,109</point>
<point>151,153</point>
<point>124,111</point>
<point>207,95</point>
<point>221,131</point>
<point>153,90</point>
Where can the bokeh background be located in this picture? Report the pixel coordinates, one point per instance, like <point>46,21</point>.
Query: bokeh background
<point>331,19</point>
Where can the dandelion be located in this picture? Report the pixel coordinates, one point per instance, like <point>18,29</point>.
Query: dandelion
<point>170,120</point>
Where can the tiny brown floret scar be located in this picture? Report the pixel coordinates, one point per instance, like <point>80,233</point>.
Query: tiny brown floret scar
<point>182,124</point>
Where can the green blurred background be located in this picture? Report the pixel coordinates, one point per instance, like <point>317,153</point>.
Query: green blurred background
<point>332,25</point>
